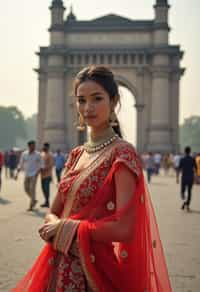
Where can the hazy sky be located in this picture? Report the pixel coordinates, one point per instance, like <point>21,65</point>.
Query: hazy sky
<point>23,28</point>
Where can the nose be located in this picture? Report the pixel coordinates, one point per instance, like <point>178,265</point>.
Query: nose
<point>89,107</point>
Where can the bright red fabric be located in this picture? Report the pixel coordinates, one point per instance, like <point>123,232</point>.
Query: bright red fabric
<point>135,266</point>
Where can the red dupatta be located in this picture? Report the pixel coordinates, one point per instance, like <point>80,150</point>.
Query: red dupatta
<point>135,266</point>
<point>138,265</point>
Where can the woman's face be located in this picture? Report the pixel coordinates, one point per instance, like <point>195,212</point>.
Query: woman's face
<point>93,104</point>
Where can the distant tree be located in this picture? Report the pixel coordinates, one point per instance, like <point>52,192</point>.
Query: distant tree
<point>31,131</point>
<point>190,133</point>
<point>31,127</point>
<point>12,126</point>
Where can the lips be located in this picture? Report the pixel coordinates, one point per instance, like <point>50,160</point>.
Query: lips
<point>90,117</point>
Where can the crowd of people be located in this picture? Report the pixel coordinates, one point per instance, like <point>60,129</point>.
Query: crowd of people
<point>187,165</point>
<point>34,164</point>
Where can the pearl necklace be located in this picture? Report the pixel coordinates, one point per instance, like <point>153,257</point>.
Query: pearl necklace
<point>109,137</point>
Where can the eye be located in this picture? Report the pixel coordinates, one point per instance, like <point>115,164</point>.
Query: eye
<point>81,100</point>
<point>98,98</point>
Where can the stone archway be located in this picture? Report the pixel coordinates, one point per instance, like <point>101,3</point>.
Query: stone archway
<point>139,54</point>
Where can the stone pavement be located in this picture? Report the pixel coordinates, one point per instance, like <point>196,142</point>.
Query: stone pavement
<point>180,232</point>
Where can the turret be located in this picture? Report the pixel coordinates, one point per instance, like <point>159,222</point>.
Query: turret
<point>57,23</point>
<point>57,12</point>
<point>161,22</point>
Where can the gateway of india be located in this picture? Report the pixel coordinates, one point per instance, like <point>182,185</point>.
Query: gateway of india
<point>139,54</point>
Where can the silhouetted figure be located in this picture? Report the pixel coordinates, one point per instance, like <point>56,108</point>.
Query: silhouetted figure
<point>46,173</point>
<point>12,163</point>
<point>150,166</point>
<point>187,168</point>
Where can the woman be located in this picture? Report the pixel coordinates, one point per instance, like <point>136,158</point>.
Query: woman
<point>101,232</point>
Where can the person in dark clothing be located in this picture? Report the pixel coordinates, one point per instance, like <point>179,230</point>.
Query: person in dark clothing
<point>187,168</point>
<point>46,173</point>
<point>12,163</point>
<point>59,160</point>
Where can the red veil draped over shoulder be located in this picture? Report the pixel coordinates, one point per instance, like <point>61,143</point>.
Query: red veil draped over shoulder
<point>137,265</point>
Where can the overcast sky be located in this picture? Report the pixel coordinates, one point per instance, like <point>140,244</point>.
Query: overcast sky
<point>23,28</point>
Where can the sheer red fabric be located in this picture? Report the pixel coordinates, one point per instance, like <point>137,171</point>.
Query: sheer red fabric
<point>137,265</point>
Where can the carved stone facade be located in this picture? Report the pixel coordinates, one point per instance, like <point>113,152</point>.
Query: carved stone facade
<point>139,54</point>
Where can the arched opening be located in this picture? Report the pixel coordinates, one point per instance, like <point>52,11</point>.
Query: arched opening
<point>127,115</point>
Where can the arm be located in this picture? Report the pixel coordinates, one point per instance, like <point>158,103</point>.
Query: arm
<point>60,232</point>
<point>20,165</point>
<point>52,221</point>
<point>120,230</point>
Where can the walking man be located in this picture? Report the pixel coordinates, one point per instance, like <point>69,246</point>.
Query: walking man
<point>59,159</point>
<point>31,163</point>
<point>46,173</point>
<point>187,168</point>
<point>150,166</point>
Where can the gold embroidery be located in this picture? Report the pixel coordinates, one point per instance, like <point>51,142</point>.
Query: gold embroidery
<point>92,258</point>
<point>90,281</point>
<point>124,254</point>
<point>110,206</point>
<point>58,233</point>
<point>142,199</point>
<point>83,175</point>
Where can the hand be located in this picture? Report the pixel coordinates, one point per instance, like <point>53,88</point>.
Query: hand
<point>50,218</point>
<point>49,229</point>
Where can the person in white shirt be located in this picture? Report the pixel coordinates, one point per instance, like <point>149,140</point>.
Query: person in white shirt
<point>31,163</point>
<point>177,159</point>
<point>157,161</point>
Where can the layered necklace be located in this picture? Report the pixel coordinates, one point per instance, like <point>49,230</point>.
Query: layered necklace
<point>107,137</point>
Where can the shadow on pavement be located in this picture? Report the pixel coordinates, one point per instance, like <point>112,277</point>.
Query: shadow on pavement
<point>4,201</point>
<point>195,212</point>
<point>37,213</point>
<point>159,184</point>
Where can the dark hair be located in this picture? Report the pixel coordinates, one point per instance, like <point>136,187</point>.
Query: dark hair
<point>31,142</point>
<point>105,78</point>
<point>187,150</point>
<point>46,145</point>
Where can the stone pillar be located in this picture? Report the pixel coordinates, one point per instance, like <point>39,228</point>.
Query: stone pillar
<point>140,128</point>
<point>175,79</point>
<point>71,116</point>
<point>159,132</point>
<point>55,108</point>
<point>41,108</point>
<point>140,107</point>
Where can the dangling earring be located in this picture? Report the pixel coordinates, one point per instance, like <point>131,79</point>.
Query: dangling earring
<point>81,124</point>
<point>113,119</point>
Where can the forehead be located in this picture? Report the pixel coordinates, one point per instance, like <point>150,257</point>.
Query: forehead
<point>89,87</point>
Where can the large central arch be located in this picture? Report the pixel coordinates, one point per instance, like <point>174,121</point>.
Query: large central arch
<point>141,58</point>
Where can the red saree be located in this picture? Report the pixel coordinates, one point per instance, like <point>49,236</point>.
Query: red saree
<point>89,201</point>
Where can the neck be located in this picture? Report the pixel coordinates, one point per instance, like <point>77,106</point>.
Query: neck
<point>96,135</point>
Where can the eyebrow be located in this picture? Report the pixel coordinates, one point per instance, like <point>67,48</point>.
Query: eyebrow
<point>93,94</point>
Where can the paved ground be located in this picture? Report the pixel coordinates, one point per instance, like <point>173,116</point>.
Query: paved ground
<point>180,233</point>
